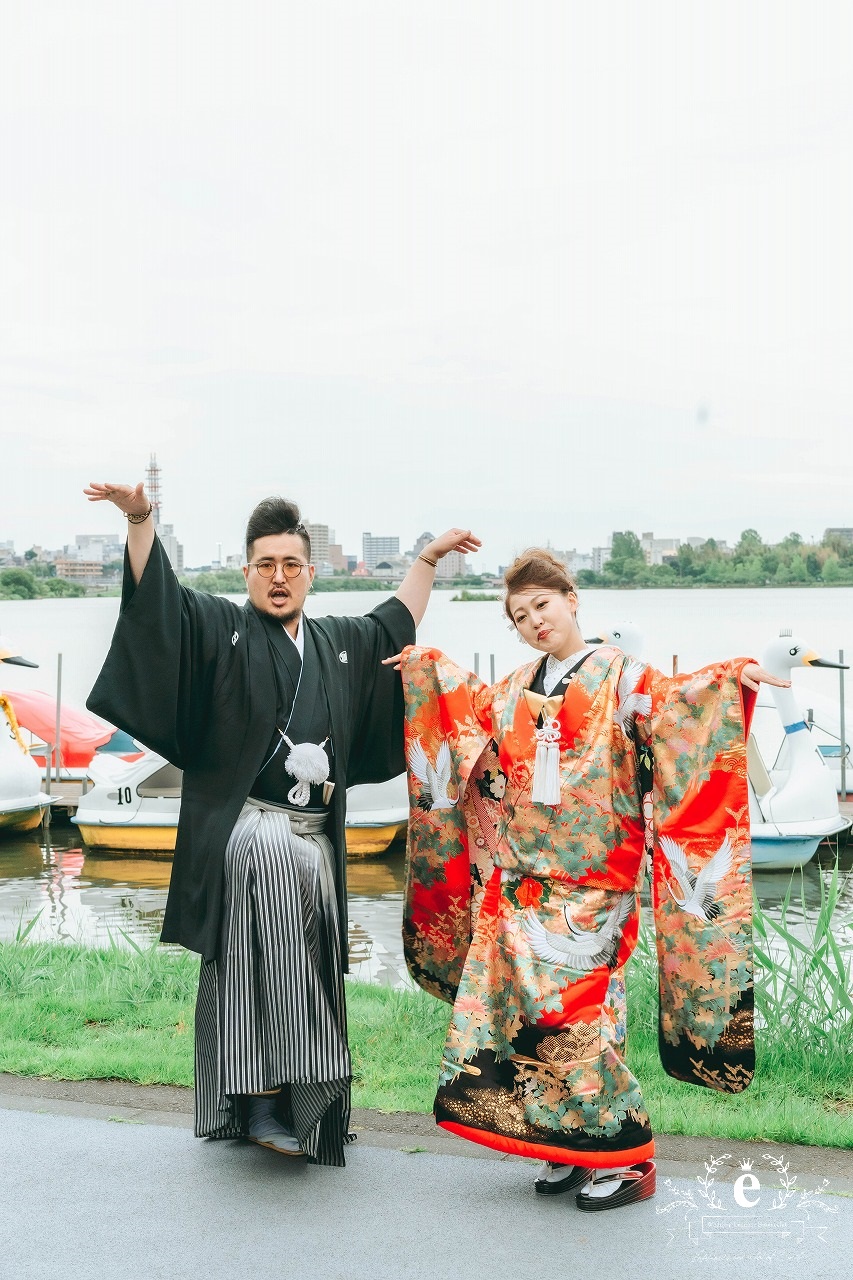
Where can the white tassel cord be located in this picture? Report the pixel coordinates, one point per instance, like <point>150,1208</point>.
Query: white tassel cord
<point>546,771</point>
<point>308,763</point>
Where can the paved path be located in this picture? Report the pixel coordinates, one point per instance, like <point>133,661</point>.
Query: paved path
<point>86,1197</point>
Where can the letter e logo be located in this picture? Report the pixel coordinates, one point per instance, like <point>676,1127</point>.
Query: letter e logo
<point>746,1182</point>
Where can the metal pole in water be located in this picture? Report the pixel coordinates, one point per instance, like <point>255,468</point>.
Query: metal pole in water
<point>476,664</point>
<point>58,739</point>
<point>491,668</point>
<point>842,727</point>
<point>48,761</point>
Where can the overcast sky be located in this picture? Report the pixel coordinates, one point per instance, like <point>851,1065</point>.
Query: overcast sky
<point>546,269</point>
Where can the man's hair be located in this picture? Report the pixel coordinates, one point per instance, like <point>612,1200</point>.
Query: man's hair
<point>273,516</point>
<point>536,567</point>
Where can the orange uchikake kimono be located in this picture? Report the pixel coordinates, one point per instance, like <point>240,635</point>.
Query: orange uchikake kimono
<point>523,913</point>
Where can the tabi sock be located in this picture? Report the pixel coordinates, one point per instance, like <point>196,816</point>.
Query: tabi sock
<point>555,1172</point>
<point>600,1190</point>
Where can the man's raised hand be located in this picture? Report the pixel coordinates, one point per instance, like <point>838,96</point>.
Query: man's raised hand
<point>130,500</point>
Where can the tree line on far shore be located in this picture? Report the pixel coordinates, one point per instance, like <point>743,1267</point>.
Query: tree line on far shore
<point>21,584</point>
<point>752,563</point>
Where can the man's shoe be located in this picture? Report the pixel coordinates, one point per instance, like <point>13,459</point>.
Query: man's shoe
<point>637,1183</point>
<point>554,1179</point>
<point>266,1131</point>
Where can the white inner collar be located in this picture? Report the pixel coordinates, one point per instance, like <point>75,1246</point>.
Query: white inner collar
<point>299,638</point>
<point>556,668</point>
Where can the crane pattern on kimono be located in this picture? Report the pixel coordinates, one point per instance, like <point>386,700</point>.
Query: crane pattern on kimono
<point>581,949</point>
<point>630,703</point>
<point>434,778</point>
<point>698,893</point>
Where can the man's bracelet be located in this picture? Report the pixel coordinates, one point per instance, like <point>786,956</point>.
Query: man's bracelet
<point>138,519</point>
<point>432,562</point>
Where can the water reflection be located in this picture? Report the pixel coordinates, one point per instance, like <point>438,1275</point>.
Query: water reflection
<point>72,895</point>
<point>62,892</point>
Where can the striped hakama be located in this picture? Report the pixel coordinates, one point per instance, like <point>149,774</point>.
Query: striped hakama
<point>271,1010</point>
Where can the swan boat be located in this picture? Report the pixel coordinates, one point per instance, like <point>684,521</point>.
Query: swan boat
<point>793,804</point>
<point>22,801</point>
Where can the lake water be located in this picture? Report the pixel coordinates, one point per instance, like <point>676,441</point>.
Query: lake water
<point>93,899</point>
<point>699,626</point>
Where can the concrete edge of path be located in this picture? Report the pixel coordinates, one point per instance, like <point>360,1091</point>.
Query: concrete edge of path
<point>410,1132</point>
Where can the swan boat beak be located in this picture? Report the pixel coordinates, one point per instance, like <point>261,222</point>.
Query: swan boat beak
<point>812,660</point>
<point>14,659</point>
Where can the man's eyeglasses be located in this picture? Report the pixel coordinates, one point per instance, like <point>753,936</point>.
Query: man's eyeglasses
<point>267,568</point>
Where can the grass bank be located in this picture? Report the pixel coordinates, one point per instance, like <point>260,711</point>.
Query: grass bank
<point>73,1013</point>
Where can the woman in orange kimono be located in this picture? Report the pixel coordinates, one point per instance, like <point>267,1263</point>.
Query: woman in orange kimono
<point>534,805</point>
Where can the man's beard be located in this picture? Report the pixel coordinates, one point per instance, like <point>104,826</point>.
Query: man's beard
<point>290,616</point>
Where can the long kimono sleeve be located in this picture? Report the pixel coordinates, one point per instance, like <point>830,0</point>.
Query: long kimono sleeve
<point>694,730</point>
<point>156,678</point>
<point>448,728</point>
<point>375,749</point>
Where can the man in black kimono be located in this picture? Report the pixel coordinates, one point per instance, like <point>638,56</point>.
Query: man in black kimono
<point>271,716</point>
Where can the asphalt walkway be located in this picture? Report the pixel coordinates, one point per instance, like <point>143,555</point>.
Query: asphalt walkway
<point>106,1182</point>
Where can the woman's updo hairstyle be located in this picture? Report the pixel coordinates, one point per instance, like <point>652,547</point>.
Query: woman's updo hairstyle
<point>536,567</point>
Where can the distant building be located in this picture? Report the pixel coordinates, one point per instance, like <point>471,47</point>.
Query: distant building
<point>697,544</point>
<point>97,546</point>
<point>578,561</point>
<point>391,568</point>
<point>321,536</point>
<point>234,562</point>
<point>845,535</point>
<point>7,553</point>
<point>574,560</point>
<point>423,541</point>
<point>453,565</point>
<point>600,556</point>
<point>174,549</point>
<point>375,549</point>
<point>657,550</point>
<point>88,573</point>
<point>337,559</point>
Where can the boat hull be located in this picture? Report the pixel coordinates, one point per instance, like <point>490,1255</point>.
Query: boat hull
<point>21,819</point>
<point>362,842</point>
<point>130,840</point>
<point>371,842</point>
<point>783,853</point>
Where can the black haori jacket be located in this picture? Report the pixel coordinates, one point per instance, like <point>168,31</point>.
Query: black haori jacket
<point>190,676</point>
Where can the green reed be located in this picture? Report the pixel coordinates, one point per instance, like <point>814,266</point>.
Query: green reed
<point>804,986</point>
